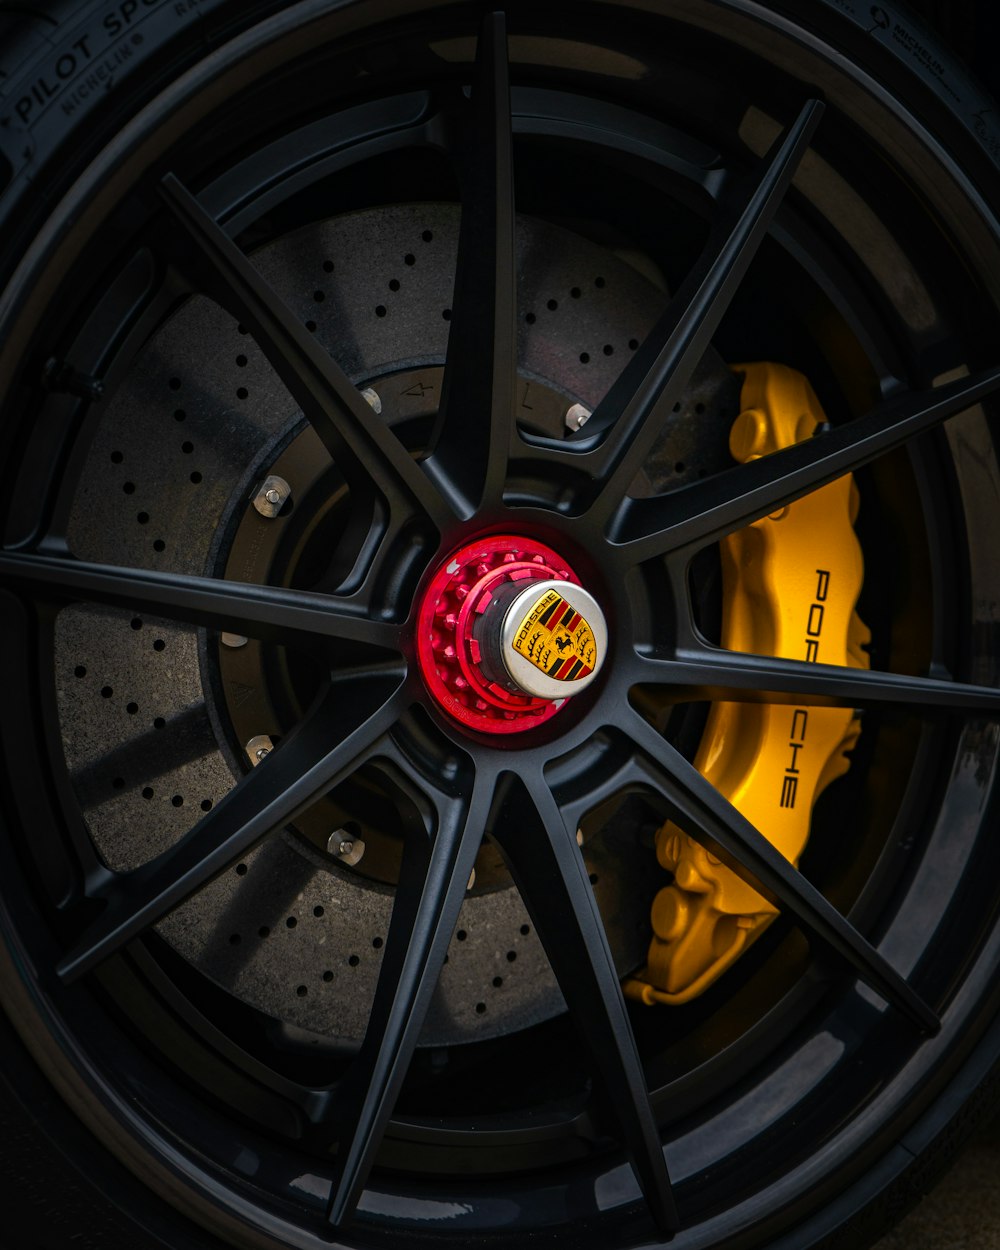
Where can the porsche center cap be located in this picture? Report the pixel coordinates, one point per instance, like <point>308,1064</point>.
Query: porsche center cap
<point>553,639</point>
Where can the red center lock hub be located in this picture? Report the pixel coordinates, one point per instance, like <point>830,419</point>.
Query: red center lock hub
<point>451,657</point>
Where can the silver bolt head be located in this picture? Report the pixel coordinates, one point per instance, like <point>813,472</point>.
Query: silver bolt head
<point>346,847</point>
<point>577,417</point>
<point>373,398</point>
<point>271,496</point>
<point>259,748</point>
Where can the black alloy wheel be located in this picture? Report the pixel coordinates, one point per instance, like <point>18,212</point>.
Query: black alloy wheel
<point>290,327</point>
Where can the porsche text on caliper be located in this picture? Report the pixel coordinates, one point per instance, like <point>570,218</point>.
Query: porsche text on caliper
<point>790,585</point>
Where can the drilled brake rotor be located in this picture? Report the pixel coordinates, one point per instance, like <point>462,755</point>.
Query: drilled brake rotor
<point>191,432</point>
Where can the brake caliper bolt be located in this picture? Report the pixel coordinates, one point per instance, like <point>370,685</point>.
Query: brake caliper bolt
<point>671,851</point>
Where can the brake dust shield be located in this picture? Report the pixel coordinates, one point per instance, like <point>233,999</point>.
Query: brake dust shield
<point>790,585</point>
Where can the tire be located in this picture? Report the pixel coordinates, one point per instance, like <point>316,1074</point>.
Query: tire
<point>329,1015</point>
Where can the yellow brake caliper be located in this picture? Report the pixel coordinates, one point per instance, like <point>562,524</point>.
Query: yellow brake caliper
<point>790,585</point>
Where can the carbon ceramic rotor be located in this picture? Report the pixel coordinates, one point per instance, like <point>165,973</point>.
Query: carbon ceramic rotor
<point>191,433</point>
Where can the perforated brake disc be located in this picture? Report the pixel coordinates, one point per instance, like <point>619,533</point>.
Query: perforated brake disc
<point>156,718</point>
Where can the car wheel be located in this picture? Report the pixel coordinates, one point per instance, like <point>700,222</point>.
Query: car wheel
<point>419,424</point>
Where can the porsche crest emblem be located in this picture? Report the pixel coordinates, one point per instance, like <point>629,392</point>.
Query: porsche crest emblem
<point>556,639</point>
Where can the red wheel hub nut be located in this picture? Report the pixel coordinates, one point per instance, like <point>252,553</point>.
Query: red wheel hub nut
<point>460,647</point>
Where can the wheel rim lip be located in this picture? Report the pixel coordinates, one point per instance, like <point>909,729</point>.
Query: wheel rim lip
<point>97,1100</point>
<point>953,1030</point>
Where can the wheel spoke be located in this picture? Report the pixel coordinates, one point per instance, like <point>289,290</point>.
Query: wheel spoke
<point>271,613</point>
<point>711,673</point>
<point>639,403</point>
<point>325,747</point>
<point>706,511</point>
<point>476,423</point>
<point>548,868</point>
<point>364,447</point>
<point>708,816</point>
<point>433,882</point>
